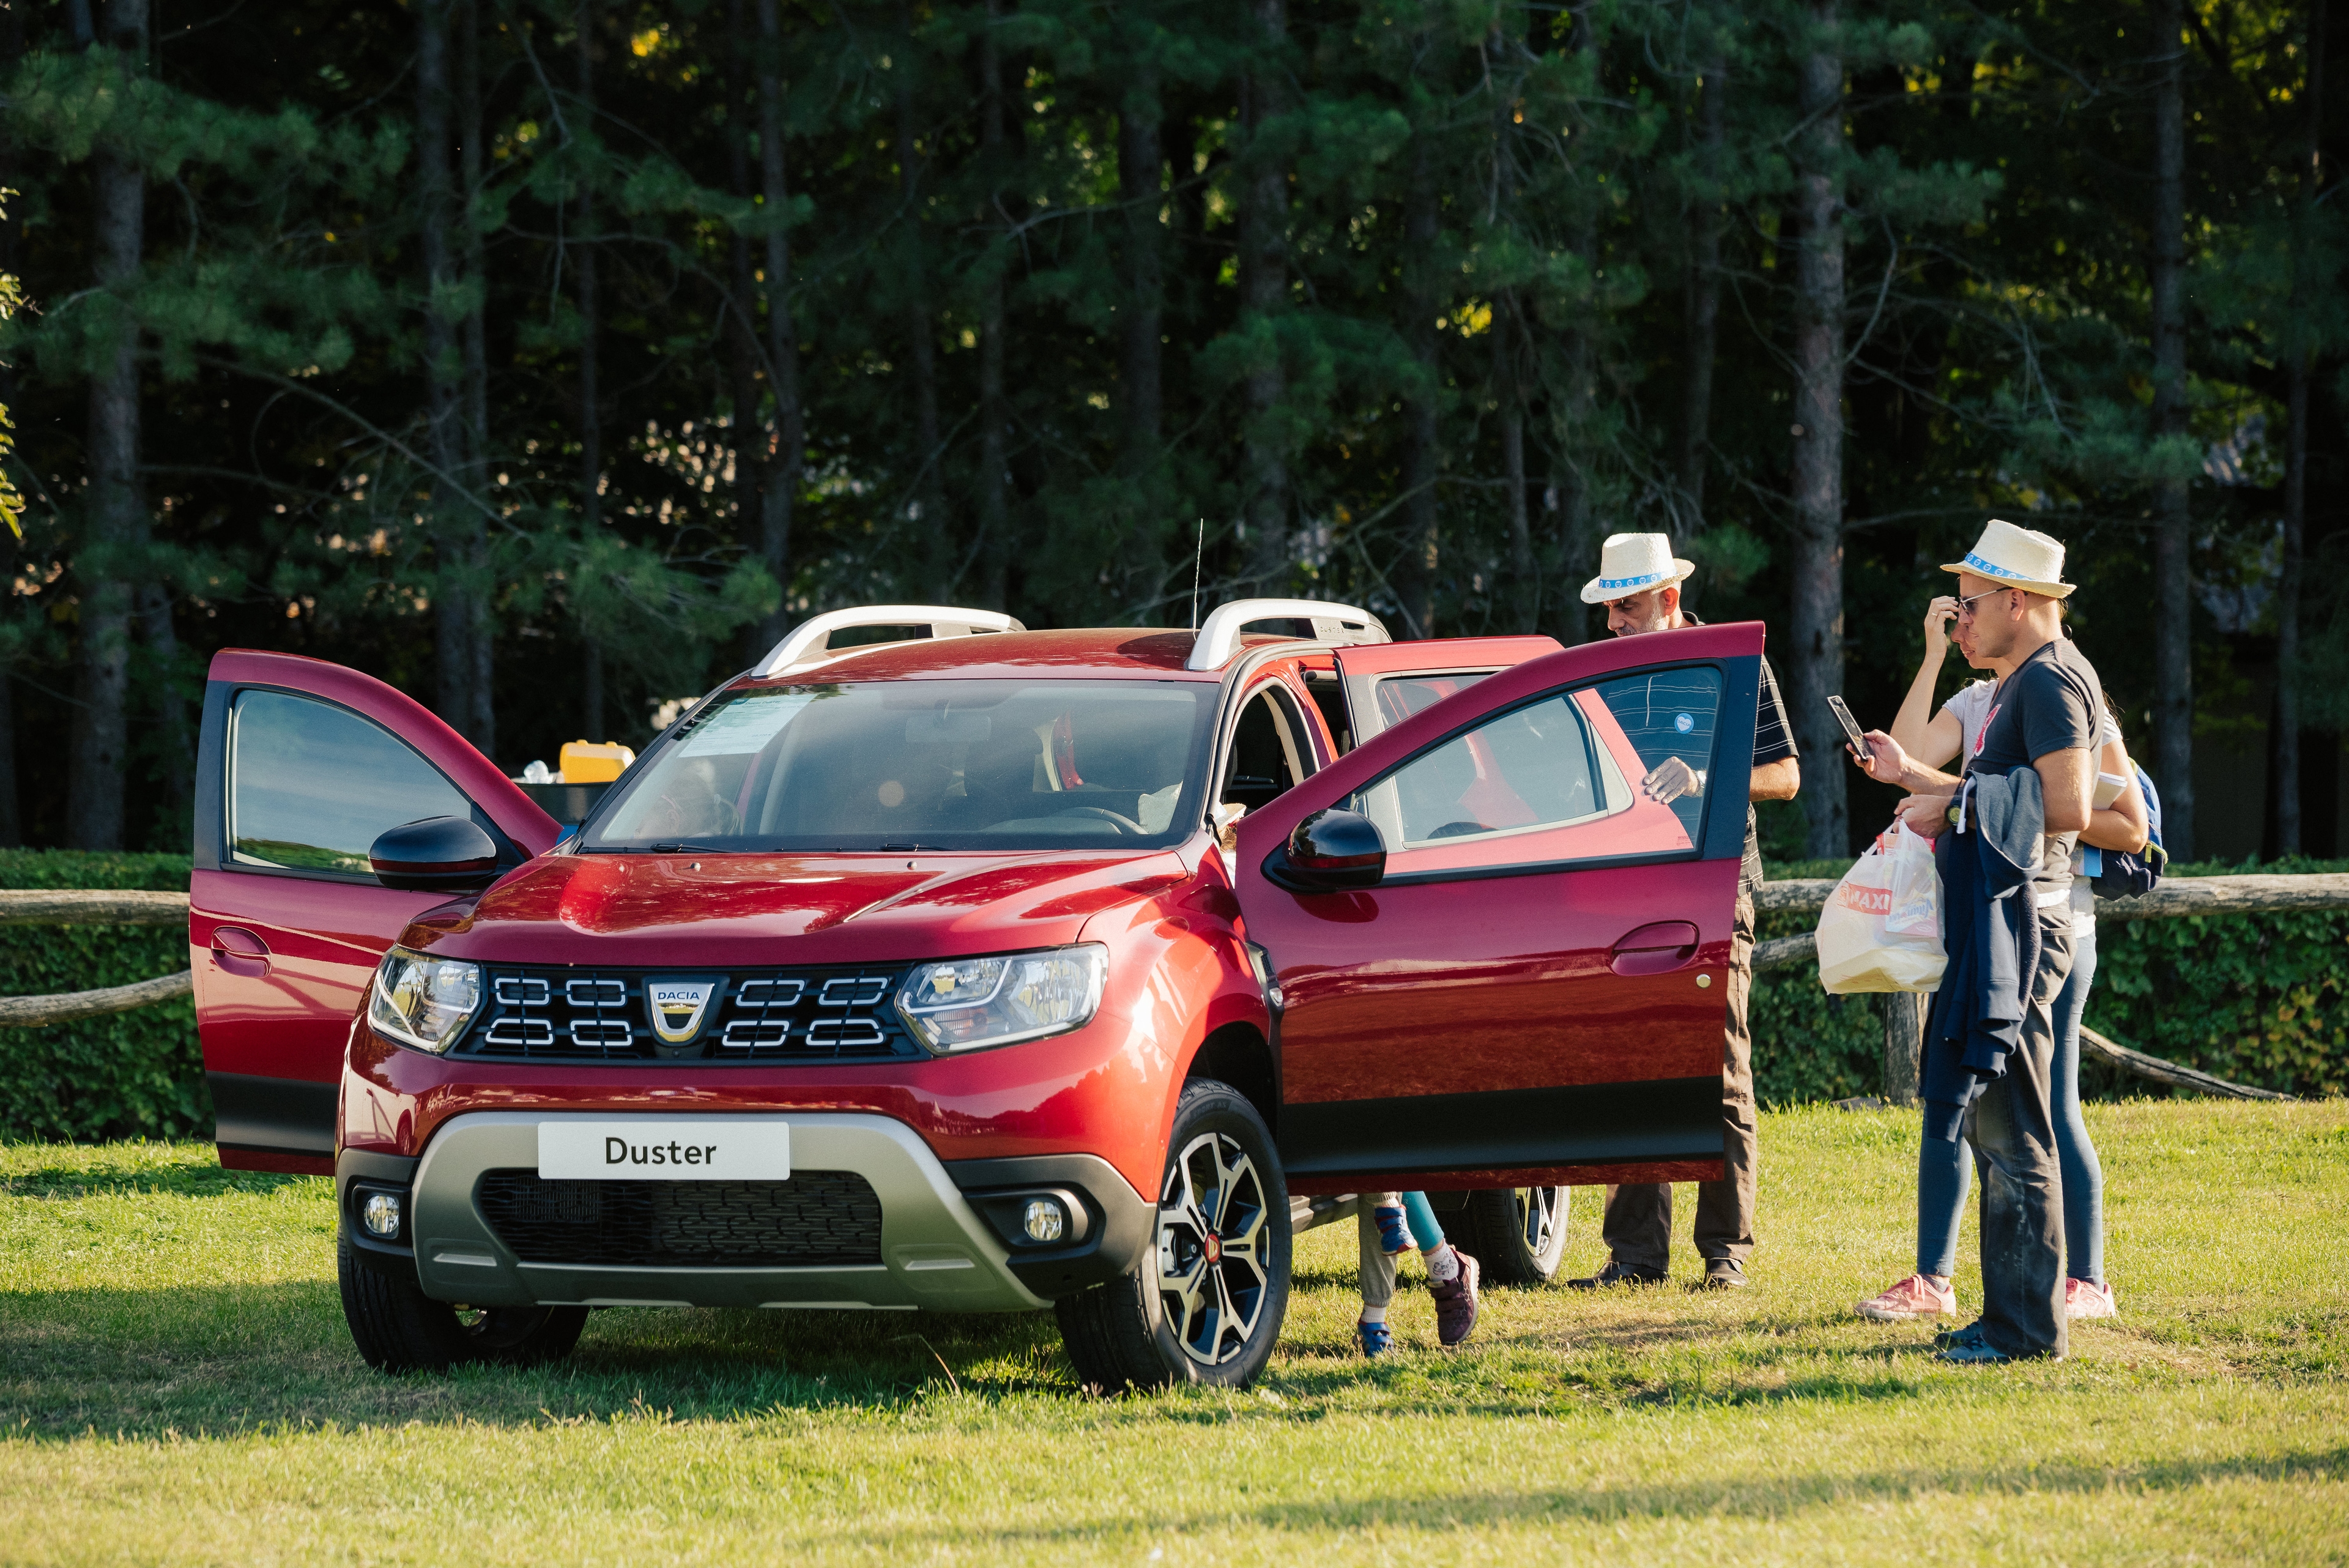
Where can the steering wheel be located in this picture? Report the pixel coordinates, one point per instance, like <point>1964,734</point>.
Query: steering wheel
<point>1126,827</point>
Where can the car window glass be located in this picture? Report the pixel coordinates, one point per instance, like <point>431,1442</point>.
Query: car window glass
<point>928,764</point>
<point>311,785</point>
<point>1401,696</point>
<point>1571,776</point>
<point>1535,766</point>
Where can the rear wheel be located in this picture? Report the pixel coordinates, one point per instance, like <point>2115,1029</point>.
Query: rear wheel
<point>1204,1304</point>
<point>1517,1233</point>
<point>398,1328</point>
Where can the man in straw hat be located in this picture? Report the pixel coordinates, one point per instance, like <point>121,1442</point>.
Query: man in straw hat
<point>1989,1044</point>
<point>1639,581</point>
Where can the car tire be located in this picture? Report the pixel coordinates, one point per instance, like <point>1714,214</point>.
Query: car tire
<point>1205,1302</point>
<point>398,1328</point>
<point>1516,1234</point>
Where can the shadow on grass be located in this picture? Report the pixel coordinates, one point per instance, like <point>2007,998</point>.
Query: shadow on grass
<point>219,1360</point>
<point>189,1180</point>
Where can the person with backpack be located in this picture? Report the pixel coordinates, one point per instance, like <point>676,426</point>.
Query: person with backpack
<point>1942,1172</point>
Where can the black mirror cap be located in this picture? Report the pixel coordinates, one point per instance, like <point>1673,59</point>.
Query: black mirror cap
<point>1330,851</point>
<point>437,855</point>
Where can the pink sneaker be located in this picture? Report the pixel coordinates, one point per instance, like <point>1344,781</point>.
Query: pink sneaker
<point>1912,1298</point>
<point>2083,1298</point>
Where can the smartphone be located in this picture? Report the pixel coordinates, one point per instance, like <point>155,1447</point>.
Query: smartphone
<point>1850,725</point>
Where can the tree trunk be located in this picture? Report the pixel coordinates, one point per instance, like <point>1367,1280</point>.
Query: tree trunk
<point>751,437</point>
<point>117,507</point>
<point>1578,535</point>
<point>11,823</point>
<point>1423,544</point>
<point>1141,182</point>
<point>1264,292</point>
<point>452,610</point>
<point>1701,312</point>
<point>782,331</point>
<point>2295,472</point>
<point>1818,427</point>
<point>483,728</point>
<point>921,340</point>
<point>590,431</point>
<point>178,746</point>
<point>1527,591</point>
<point>994,522</point>
<point>2173,661</point>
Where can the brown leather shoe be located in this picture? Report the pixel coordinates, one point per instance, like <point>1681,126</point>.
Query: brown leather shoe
<point>1618,1272</point>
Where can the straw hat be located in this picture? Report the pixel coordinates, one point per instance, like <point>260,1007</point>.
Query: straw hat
<point>2018,558</point>
<point>1632,564</point>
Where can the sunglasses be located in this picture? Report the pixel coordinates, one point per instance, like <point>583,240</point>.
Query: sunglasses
<point>1966,606</point>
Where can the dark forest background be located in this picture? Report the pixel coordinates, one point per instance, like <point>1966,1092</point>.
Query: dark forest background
<point>549,360</point>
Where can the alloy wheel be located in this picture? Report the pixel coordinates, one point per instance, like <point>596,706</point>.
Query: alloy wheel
<point>1211,1248</point>
<point>1538,1217</point>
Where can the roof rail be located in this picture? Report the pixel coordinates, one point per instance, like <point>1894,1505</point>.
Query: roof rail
<point>1219,638</point>
<point>810,642</point>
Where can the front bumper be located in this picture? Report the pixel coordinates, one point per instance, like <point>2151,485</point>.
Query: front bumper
<point>936,1249</point>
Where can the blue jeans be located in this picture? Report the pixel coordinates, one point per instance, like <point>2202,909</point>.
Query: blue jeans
<point>1943,1169</point>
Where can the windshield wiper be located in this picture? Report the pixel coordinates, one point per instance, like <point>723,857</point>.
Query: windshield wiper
<point>682,848</point>
<point>906,848</point>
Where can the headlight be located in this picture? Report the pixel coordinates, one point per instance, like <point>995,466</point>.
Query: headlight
<point>423,1002</point>
<point>967,1004</point>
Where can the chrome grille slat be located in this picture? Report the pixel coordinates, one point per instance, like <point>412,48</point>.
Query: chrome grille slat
<point>817,1014</point>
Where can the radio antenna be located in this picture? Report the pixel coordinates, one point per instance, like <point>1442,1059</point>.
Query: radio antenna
<point>1198,554</point>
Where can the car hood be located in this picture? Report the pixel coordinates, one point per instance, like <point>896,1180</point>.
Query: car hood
<point>789,909</point>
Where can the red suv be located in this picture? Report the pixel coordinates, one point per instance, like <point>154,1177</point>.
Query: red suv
<point>979,969</point>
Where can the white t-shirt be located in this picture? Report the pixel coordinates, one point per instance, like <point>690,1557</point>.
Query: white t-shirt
<point>1970,704</point>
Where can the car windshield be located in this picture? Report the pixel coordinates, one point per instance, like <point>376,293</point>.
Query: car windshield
<point>922,764</point>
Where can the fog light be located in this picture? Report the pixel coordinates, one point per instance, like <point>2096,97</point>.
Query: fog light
<point>1042,1219</point>
<point>381,1214</point>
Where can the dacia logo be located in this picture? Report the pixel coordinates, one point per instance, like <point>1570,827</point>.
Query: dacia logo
<point>676,1006</point>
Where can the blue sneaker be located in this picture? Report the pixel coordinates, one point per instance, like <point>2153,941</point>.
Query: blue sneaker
<point>1375,1338</point>
<point>1394,1236</point>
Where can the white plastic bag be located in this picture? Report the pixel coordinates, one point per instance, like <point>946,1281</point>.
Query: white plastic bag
<point>1882,929</point>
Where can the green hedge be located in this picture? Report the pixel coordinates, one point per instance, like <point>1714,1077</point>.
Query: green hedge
<point>133,1074</point>
<point>2256,999</point>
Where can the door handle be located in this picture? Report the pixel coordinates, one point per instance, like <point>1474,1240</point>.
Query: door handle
<point>240,951</point>
<point>1657,948</point>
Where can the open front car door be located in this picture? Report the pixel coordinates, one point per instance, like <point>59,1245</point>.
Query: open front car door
<point>302,766</point>
<point>1500,953</point>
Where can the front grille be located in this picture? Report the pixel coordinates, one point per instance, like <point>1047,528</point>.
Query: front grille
<point>835,1014</point>
<point>819,1219</point>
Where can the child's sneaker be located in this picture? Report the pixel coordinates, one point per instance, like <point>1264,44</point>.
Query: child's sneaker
<point>1375,1338</point>
<point>1912,1298</point>
<point>1394,1236</point>
<point>1456,1302</point>
<point>2087,1298</point>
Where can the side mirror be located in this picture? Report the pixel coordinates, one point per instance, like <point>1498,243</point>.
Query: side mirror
<point>437,854</point>
<point>1329,852</point>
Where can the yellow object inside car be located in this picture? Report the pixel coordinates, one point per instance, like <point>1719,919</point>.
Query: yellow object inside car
<point>588,761</point>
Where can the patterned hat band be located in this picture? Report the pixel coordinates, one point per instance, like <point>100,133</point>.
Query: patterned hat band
<point>1605,583</point>
<point>1993,569</point>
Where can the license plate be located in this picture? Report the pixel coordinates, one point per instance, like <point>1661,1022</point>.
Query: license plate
<point>675,1150</point>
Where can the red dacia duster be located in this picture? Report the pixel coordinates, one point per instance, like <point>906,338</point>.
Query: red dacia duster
<point>939,974</point>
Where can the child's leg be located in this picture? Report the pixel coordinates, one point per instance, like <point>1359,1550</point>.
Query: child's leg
<point>1377,1267</point>
<point>1425,1231</point>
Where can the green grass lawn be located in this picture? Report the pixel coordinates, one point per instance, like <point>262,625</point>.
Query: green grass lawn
<point>176,1385</point>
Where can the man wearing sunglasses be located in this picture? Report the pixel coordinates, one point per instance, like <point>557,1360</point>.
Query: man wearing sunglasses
<point>1991,1039</point>
<point>1639,582</point>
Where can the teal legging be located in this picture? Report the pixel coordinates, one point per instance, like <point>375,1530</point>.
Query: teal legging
<point>1425,1231</point>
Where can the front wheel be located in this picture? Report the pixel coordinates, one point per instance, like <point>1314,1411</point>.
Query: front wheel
<point>1517,1233</point>
<point>1206,1302</point>
<point>398,1328</point>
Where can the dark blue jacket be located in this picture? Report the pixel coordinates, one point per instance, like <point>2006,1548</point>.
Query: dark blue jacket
<point>1990,925</point>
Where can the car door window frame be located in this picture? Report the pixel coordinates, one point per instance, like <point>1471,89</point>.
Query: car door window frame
<point>1296,738</point>
<point>215,843</point>
<point>1736,683</point>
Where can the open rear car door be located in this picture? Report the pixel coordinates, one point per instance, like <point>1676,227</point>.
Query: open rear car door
<point>302,763</point>
<point>1532,991</point>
